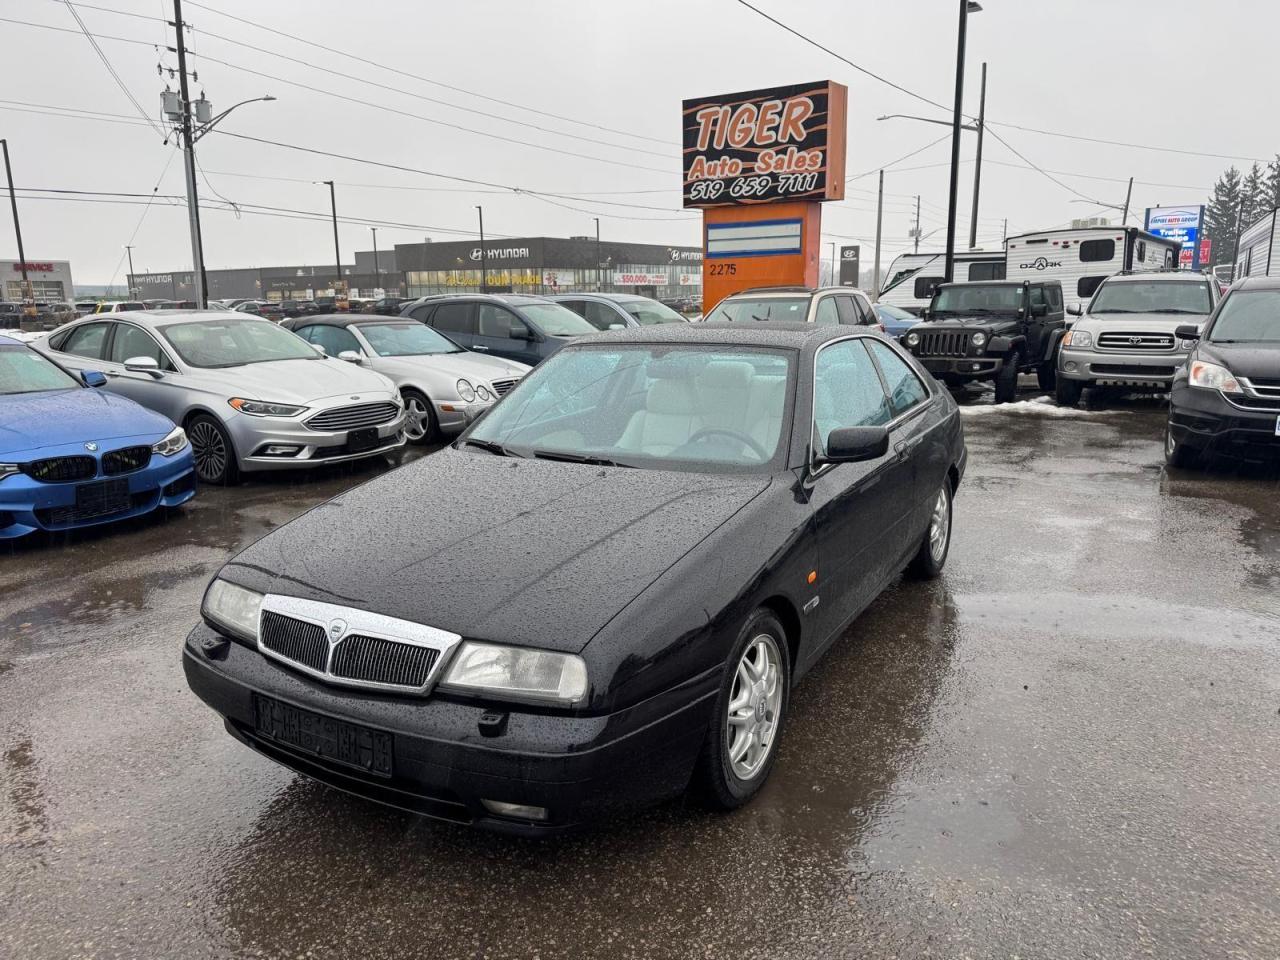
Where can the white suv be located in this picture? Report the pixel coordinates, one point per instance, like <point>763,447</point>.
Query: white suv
<point>1126,336</point>
<point>831,306</point>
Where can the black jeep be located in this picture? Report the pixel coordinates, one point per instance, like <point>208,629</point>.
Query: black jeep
<point>991,331</point>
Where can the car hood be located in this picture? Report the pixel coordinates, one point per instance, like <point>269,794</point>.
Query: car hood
<point>295,381</point>
<point>533,552</point>
<point>29,421</point>
<point>1138,322</point>
<point>1250,360</point>
<point>981,321</point>
<point>473,366</point>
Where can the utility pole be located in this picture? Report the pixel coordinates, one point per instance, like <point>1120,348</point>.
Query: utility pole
<point>189,156</point>
<point>875,275</point>
<point>1128,194</point>
<point>129,250</point>
<point>833,264</point>
<point>949,269</point>
<point>1004,231</point>
<point>599,262</point>
<point>1235,244</point>
<point>333,209</point>
<point>484,256</point>
<point>977,163</point>
<point>917,232</point>
<point>377,269</point>
<point>27,298</point>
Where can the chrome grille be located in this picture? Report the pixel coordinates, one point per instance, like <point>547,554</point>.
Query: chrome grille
<point>375,660</point>
<point>61,469</point>
<point>355,417</point>
<point>1136,342</point>
<point>502,387</point>
<point>126,460</point>
<point>943,343</point>
<point>303,643</point>
<point>1259,394</point>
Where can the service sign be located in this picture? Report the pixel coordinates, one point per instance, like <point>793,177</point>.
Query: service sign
<point>1181,224</point>
<point>764,146</point>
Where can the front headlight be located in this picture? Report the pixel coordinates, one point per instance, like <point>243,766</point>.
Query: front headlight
<point>483,392</point>
<point>233,608</point>
<point>913,339</point>
<point>263,408</point>
<point>518,673</point>
<point>1078,338</point>
<point>9,469</point>
<point>466,391</point>
<point>173,443</point>
<point>1210,376</point>
<point>979,339</point>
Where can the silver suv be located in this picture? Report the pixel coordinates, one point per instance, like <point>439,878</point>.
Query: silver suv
<point>825,305</point>
<point>1126,336</point>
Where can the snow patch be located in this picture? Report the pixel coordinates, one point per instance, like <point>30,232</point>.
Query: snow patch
<point>1040,407</point>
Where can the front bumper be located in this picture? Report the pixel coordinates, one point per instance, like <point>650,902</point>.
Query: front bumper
<point>27,505</point>
<point>1206,421</point>
<point>580,768</point>
<point>454,416</point>
<point>966,368</point>
<point>1120,369</point>
<point>252,435</point>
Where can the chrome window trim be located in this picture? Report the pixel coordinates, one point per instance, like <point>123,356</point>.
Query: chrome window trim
<point>364,623</point>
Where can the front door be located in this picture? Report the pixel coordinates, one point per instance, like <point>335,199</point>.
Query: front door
<point>157,391</point>
<point>500,333</point>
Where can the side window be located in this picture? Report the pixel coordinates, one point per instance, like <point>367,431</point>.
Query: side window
<point>600,315</point>
<point>1037,297</point>
<point>847,391</point>
<point>577,306</point>
<point>826,315</point>
<point>423,314</point>
<point>925,286</point>
<point>334,339</point>
<point>495,321</point>
<point>1096,251</point>
<point>454,318</point>
<point>87,341</point>
<point>1086,285</point>
<point>1054,295</point>
<point>986,271</point>
<point>905,388</point>
<point>131,341</point>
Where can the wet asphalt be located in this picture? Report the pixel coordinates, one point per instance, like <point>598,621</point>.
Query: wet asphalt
<point>1068,746</point>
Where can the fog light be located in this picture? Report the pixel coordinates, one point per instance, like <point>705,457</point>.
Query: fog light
<point>977,366</point>
<point>517,811</point>
<point>281,450</point>
<point>1071,366</point>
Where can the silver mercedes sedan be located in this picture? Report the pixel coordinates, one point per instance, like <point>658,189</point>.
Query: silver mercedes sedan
<point>444,386</point>
<point>252,396</point>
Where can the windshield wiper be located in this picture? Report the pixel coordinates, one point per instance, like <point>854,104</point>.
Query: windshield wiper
<point>587,458</point>
<point>490,445</point>
<point>1175,310</point>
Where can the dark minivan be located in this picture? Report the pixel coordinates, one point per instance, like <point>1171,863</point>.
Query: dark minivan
<point>524,328</point>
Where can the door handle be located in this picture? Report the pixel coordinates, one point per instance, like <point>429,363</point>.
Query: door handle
<point>478,347</point>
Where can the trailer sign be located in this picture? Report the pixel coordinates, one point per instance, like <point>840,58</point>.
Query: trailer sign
<point>1181,224</point>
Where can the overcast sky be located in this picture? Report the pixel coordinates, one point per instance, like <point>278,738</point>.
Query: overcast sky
<point>1173,74</point>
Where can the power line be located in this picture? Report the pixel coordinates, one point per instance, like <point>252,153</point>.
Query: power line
<point>1122,143</point>
<point>111,70</point>
<point>1045,173</point>
<point>893,163</point>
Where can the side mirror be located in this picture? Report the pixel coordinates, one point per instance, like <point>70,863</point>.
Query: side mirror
<point>319,348</point>
<point>521,333</point>
<point>1076,310</point>
<point>854,444</point>
<point>617,326</point>
<point>143,365</point>
<point>93,378</point>
<point>351,356</point>
<point>1187,331</point>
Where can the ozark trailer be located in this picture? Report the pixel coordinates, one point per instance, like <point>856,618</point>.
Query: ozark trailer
<point>912,277</point>
<point>1082,258</point>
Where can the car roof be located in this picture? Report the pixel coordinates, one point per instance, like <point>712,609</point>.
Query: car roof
<point>343,320</point>
<point>1257,283</point>
<point>1146,276</point>
<point>9,341</point>
<point>781,334</point>
<point>612,297</point>
<point>150,318</point>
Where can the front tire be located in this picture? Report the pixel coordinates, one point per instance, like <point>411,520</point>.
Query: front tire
<point>929,560</point>
<point>1067,392</point>
<point>1007,380</point>
<point>1047,374</point>
<point>420,425</point>
<point>213,451</point>
<point>742,738</point>
<point>1178,455</point>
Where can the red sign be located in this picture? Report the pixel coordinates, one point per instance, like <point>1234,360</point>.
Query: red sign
<point>33,267</point>
<point>1206,247</point>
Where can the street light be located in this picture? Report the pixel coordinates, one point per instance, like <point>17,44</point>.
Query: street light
<point>484,259</point>
<point>966,7</point>
<point>599,264</point>
<point>377,269</point>
<point>337,253</point>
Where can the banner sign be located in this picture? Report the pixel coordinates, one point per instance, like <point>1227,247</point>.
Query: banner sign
<point>849,265</point>
<point>761,146</point>
<point>754,238</point>
<point>639,279</point>
<point>1181,224</point>
<point>690,279</point>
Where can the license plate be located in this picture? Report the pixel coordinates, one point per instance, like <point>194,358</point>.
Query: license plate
<point>360,440</point>
<point>101,498</point>
<point>337,740</point>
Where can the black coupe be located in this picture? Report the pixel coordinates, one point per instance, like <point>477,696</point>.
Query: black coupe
<point>603,590</point>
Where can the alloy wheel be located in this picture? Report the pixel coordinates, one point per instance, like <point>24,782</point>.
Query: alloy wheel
<point>417,417</point>
<point>939,527</point>
<point>755,707</point>
<point>209,450</point>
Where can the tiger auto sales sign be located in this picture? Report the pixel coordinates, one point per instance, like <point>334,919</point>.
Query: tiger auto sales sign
<point>765,146</point>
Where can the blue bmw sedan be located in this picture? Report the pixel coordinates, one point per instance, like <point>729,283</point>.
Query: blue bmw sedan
<point>72,456</point>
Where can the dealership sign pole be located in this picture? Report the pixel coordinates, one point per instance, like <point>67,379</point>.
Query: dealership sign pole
<point>759,164</point>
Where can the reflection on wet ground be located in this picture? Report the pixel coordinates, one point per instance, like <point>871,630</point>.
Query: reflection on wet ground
<point>1068,746</point>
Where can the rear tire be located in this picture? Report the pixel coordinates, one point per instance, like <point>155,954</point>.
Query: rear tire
<point>1179,455</point>
<point>929,560</point>
<point>1067,392</point>
<point>742,737</point>
<point>1007,379</point>
<point>214,453</point>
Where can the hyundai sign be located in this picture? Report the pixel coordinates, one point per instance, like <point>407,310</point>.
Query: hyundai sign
<point>1181,224</point>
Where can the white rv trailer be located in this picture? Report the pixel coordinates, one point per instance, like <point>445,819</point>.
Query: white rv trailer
<point>912,276</point>
<point>1082,258</point>
<point>1258,254</point>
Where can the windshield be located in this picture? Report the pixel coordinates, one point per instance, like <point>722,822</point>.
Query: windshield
<point>1154,296</point>
<point>233,341</point>
<point>977,298</point>
<point>649,312</point>
<point>406,339</point>
<point>762,308</point>
<point>555,320</point>
<point>22,370</point>
<point>659,407</point>
<point>1248,316</point>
